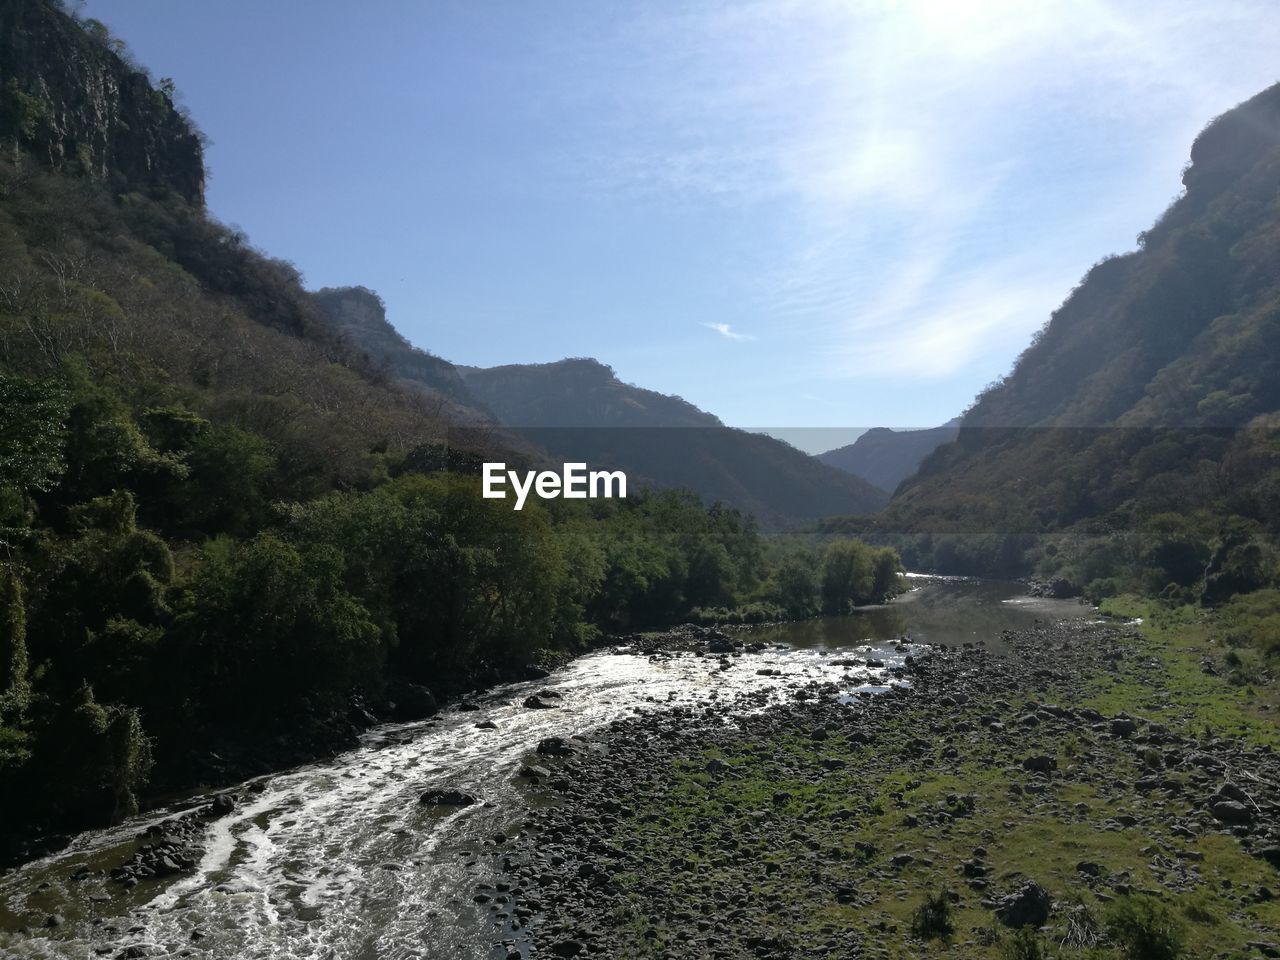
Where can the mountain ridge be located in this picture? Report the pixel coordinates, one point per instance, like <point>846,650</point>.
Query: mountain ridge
<point>885,457</point>
<point>1143,417</point>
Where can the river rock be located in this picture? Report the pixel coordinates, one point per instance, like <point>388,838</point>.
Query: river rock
<point>411,701</point>
<point>554,747</point>
<point>447,798</point>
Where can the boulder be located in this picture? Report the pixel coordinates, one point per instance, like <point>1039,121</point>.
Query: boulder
<point>1028,907</point>
<point>411,701</point>
<point>1039,764</point>
<point>1232,812</point>
<point>1123,727</point>
<point>222,805</point>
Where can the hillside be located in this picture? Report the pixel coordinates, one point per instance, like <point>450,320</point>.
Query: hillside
<point>359,317</point>
<point>1146,410</point>
<point>239,521</point>
<point>578,409</point>
<point>884,457</point>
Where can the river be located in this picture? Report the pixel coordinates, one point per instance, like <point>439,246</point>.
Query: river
<point>339,860</point>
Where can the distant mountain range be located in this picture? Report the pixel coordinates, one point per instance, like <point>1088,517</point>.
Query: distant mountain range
<point>577,409</point>
<point>884,457</point>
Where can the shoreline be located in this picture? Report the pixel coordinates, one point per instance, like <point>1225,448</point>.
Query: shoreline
<point>815,828</point>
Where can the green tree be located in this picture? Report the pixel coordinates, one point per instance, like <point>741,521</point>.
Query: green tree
<point>15,684</point>
<point>271,629</point>
<point>795,584</point>
<point>97,758</point>
<point>848,575</point>
<point>33,417</point>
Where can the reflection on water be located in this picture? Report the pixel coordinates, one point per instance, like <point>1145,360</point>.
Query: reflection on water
<point>950,611</point>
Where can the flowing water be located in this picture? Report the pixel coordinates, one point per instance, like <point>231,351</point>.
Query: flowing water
<point>339,860</point>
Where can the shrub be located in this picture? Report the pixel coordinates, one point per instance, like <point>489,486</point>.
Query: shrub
<point>1200,908</point>
<point>932,919</point>
<point>1145,929</point>
<point>1023,945</point>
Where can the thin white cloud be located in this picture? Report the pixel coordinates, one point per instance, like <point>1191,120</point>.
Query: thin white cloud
<point>904,151</point>
<point>727,331</point>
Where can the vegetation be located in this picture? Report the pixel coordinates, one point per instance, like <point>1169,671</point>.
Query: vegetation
<point>220,527</point>
<point>1024,944</point>
<point>932,919</point>
<point>1145,928</point>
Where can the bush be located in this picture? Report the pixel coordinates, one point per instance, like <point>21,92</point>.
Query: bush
<point>1253,620</point>
<point>932,919</point>
<point>1145,929</point>
<point>1023,945</point>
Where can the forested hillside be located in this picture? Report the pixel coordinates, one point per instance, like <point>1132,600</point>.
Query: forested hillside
<point>228,534</point>
<point>1142,421</point>
<point>578,409</point>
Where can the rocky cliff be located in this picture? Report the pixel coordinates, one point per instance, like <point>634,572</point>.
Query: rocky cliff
<point>360,317</point>
<point>71,97</point>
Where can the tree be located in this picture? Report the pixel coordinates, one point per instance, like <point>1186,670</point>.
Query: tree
<point>847,576</point>
<point>796,584</point>
<point>33,416</point>
<point>15,686</point>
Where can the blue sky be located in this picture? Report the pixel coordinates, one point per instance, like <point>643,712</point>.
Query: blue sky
<point>793,214</point>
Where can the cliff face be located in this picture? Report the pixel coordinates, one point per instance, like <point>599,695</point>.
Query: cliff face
<point>68,96</point>
<point>359,315</point>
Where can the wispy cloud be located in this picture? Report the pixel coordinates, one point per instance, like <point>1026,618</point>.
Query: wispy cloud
<point>728,332</point>
<point>910,155</point>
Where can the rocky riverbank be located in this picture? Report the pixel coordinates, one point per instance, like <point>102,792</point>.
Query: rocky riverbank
<point>1007,785</point>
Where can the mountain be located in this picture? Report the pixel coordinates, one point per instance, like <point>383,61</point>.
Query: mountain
<point>359,316</point>
<point>1149,404</point>
<point>578,409</point>
<point>71,95</point>
<point>884,457</point>
<point>577,392</point>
